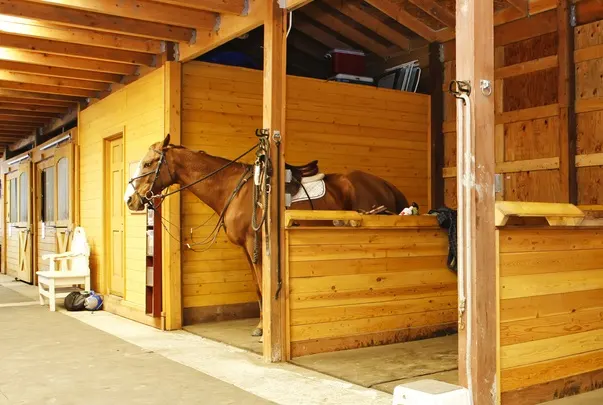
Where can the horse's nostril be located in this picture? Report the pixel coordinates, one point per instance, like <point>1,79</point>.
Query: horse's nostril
<point>129,199</point>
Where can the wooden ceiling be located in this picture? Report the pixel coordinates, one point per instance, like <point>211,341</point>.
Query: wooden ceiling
<point>56,54</point>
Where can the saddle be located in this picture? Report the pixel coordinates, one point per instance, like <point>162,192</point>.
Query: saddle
<point>299,172</point>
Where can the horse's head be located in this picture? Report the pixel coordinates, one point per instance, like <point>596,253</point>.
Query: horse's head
<point>151,177</point>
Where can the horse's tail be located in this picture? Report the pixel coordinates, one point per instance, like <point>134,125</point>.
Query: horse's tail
<point>401,200</point>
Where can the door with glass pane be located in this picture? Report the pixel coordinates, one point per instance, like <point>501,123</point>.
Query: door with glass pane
<point>64,213</point>
<point>18,222</point>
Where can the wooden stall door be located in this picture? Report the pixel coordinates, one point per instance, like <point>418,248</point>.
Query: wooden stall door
<point>18,220</point>
<point>115,252</point>
<point>65,215</point>
<point>45,209</point>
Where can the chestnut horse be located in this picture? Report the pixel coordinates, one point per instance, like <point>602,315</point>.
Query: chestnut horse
<point>165,164</point>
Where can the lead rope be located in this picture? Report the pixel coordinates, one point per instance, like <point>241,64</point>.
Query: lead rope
<point>464,196</point>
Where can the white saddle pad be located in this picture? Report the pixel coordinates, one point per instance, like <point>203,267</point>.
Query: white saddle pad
<point>315,189</point>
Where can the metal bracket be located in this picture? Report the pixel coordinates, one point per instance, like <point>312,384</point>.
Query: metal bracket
<point>486,87</point>
<point>573,20</point>
<point>461,87</point>
<point>282,3</point>
<point>498,183</point>
<point>276,137</point>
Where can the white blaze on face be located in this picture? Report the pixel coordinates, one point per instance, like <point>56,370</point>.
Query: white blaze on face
<point>130,189</point>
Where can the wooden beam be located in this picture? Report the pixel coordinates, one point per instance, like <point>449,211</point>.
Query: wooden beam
<point>523,68</point>
<point>229,27</point>
<point>436,149</point>
<point>36,114</point>
<point>217,6</point>
<point>437,11</point>
<point>345,30</point>
<point>142,10</point>
<point>82,51</point>
<point>44,59</point>
<point>588,11</point>
<point>26,107</point>
<point>39,96</point>
<point>521,5</point>
<point>18,125</point>
<point>308,46</point>
<point>567,100</point>
<point>102,22</point>
<point>276,347</point>
<point>51,71</point>
<point>37,29</point>
<point>28,120</point>
<point>40,88</point>
<point>396,12</point>
<point>36,103</point>
<point>7,131</point>
<point>51,81</point>
<point>477,233</point>
<point>358,14</point>
<point>313,31</point>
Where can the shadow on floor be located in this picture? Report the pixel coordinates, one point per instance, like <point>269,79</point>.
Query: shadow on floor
<point>235,333</point>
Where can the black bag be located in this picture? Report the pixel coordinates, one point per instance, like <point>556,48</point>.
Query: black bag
<point>75,301</point>
<point>447,219</point>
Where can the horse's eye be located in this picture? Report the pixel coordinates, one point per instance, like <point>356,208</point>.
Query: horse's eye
<point>148,164</point>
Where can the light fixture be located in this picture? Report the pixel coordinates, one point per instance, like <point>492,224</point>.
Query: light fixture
<point>53,143</point>
<point>12,162</point>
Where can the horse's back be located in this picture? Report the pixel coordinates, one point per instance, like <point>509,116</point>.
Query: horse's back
<point>370,191</point>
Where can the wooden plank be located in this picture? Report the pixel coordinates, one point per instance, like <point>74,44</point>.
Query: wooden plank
<point>590,53</point>
<point>475,62</point>
<point>437,11</point>
<point>100,21</point>
<point>52,81</point>
<point>550,372</point>
<point>555,213</point>
<point>527,263</point>
<point>305,26</point>
<point>59,72</point>
<point>347,31</point>
<point>526,67</point>
<point>48,89</point>
<point>566,100</point>
<point>528,114</point>
<point>25,107</point>
<point>521,5</point>
<point>436,145</point>
<point>396,12</point>
<point>523,29</point>
<point>549,240</point>
<point>217,6</point>
<point>69,49</point>
<point>594,159</point>
<point>589,105</point>
<point>588,11</point>
<point>274,119</point>
<point>534,285</point>
<point>527,165</point>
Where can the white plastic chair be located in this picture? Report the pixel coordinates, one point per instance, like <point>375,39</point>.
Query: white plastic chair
<point>66,276</point>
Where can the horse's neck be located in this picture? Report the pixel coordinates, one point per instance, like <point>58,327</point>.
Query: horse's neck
<point>215,190</point>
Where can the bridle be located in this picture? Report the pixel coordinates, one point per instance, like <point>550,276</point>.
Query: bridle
<point>149,196</point>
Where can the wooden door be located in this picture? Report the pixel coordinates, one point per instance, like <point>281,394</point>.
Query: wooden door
<point>45,211</point>
<point>18,221</point>
<point>115,251</point>
<point>65,196</point>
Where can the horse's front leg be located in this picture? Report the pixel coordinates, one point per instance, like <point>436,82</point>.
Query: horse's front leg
<point>256,270</point>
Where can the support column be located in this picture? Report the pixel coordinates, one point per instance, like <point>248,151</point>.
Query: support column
<point>477,251</point>
<point>275,79</point>
<point>436,150</point>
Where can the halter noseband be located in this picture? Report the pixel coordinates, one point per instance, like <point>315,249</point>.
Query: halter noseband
<point>147,199</point>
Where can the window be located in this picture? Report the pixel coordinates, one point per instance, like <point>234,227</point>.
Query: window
<point>12,185</point>
<point>63,189</point>
<point>23,197</point>
<point>48,195</point>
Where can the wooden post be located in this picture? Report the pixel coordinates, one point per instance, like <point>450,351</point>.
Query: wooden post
<point>275,78</point>
<point>477,238</point>
<point>436,152</point>
<point>567,100</point>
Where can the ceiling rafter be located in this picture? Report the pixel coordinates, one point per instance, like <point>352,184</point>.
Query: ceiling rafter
<point>28,95</point>
<point>52,81</point>
<point>354,11</point>
<point>35,114</point>
<point>69,49</point>
<point>521,5</point>
<point>18,125</point>
<point>141,10</point>
<point>44,59</point>
<point>218,6</point>
<point>102,22</point>
<point>28,107</point>
<point>22,67</point>
<point>402,16</point>
<point>345,30</point>
<point>307,45</point>
<point>47,89</point>
<point>313,31</point>
<point>437,11</point>
<point>36,121</point>
<point>36,29</point>
<point>35,103</point>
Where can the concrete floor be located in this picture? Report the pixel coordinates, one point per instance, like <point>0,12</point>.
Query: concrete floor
<point>235,333</point>
<point>99,358</point>
<point>588,398</point>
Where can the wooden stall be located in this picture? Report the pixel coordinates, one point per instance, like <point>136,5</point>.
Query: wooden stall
<point>114,134</point>
<point>549,277</point>
<point>344,126</point>
<point>383,280</point>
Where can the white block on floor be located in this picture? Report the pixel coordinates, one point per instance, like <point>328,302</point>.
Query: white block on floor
<point>430,392</point>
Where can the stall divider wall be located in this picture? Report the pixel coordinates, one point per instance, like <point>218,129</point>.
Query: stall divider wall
<point>550,300</point>
<point>344,126</point>
<point>137,114</point>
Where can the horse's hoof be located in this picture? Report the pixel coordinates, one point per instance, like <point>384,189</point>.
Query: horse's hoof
<point>257,332</point>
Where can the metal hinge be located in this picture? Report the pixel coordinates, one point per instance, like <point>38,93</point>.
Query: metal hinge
<point>573,21</point>
<point>498,183</point>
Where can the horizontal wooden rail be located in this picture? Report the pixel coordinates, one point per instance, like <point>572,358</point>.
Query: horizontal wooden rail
<point>528,114</point>
<point>556,214</point>
<point>516,166</point>
<point>589,105</point>
<point>594,159</point>
<point>590,53</point>
<point>519,69</point>
<point>355,219</point>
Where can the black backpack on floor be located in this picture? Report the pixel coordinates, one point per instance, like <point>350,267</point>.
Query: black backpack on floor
<point>76,300</point>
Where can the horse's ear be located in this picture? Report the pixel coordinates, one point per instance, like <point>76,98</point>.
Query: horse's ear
<point>166,141</point>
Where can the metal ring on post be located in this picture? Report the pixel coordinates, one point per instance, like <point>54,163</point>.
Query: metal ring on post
<point>486,87</point>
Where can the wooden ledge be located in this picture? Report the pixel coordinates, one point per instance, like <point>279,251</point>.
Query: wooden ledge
<point>355,219</point>
<point>556,214</point>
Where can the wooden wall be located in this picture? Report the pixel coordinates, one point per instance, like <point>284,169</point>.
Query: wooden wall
<point>345,126</point>
<point>551,300</point>
<point>137,110</point>
<point>355,287</point>
<point>528,126</point>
